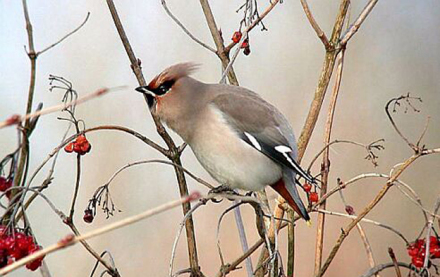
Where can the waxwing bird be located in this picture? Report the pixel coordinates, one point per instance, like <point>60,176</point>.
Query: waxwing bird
<point>240,139</point>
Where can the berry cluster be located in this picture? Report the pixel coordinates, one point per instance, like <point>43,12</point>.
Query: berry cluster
<point>417,250</point>
<point>313,195</point>
<point>16,246</point>
<point>81,146</point>
<point>236,37</point>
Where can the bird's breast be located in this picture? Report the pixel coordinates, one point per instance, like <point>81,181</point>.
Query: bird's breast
<point>228,159</point>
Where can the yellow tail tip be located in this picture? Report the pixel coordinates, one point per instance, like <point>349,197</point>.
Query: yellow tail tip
<point>309,223</point>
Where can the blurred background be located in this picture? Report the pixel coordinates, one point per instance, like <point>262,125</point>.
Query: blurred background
<point>395,52</point>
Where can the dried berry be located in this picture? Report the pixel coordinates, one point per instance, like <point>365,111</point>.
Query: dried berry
<point>5,184</point>
<point>247,51</point>
<point>88,216</point>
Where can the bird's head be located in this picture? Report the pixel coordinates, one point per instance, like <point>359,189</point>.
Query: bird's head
<point>163,83</point>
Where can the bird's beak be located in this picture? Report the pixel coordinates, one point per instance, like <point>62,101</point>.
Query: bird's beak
<point>149,96</point>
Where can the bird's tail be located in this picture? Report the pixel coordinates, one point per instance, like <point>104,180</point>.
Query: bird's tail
<point>286,187</point>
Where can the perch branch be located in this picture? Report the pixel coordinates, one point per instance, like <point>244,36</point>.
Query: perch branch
<point>71,240</point>
<point>174,155</point>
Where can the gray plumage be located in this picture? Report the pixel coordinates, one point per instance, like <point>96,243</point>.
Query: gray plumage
<point>239,138</point>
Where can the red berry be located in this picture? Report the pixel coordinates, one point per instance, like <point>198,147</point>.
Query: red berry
<point>314,197</point>
<point>9,243</point>
<point>247,51</point>
<point>307,187</point>
<point>85,148</point>
<point>417,262</point>
<point>88,216</point>
<point>236,37</point>
<point>413,250</point>
<point>5,184</point>
<point>245,44</point>
<point>77,147</point>
<point>3,258</point>
<point>34,265</point>
<point>433,240</point>
<point>434,251</point>
<point>69,148</point>
<point>81,139</point>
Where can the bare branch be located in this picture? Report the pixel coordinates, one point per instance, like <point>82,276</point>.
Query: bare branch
<point>325,166</point>
<point>174,154</point>
<point>164,4</point>
<point>197,179</point>
<point>357,24</point>
<point>379,268</point>
<point>366,210</point>
<point>221,53</point>
<point>396,102</point>
<point>350,210</point>
<point>65,37</point>
<point>71,240</point>
<point>19,118</point>
<point>369,221</point>
<point>375,145</point>
<point>315,25</point>
<point>396,265</point>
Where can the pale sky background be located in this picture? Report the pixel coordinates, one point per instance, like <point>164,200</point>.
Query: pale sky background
<point>396,51</point>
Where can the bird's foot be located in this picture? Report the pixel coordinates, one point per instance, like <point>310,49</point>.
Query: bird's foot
<point>222,190</point>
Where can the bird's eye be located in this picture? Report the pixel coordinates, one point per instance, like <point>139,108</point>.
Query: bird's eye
<point>164,88</point>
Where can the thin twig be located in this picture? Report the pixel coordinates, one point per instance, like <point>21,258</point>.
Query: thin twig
<point>357,24</point>
<point>76,190</point>
<point>429,228</point>
<point>369,221</point>
<point>65,37</point>
<point>197,179</point>
<point>164,4</point>
<point>218,40</point>
<point>395,101</point>
<point>18,118</point>
<point>179,232</point>
<point>315,25</point>
<point>396,265</point>
<point>325,166</point>
<point>379,268</point>
<point>69,240</point>
<point>243,239</point>
<point>370,147</point>
<point>350,210</point>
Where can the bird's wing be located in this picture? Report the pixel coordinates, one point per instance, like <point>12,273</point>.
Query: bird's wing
<point>260,125</point>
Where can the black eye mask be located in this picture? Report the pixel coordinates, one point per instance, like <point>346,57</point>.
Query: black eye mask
<point>163,88</point>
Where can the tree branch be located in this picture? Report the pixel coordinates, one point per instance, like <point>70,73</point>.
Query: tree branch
<point>174,154</point>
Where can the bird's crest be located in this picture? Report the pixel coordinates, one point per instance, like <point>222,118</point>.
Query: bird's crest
<point>173,73</point>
